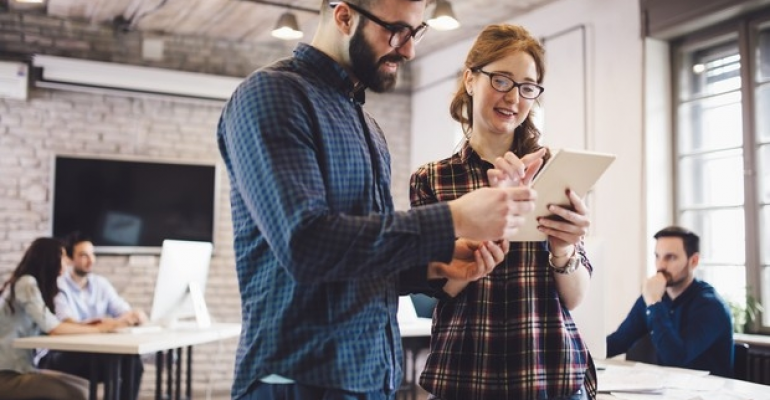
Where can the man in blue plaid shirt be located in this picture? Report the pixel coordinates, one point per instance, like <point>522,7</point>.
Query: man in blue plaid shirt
<point>321,254</point>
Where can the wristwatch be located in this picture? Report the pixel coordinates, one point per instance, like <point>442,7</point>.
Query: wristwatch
<point>572,264</point>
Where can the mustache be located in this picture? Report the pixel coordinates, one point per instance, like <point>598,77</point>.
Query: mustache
<point>667,275</point>
<point>394,58</point>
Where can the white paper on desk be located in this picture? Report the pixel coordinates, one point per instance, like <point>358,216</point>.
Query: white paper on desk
<point>666,394</point>
<point>625,379</point>
<point>693,383</point>
<point>675,394</point>
<point>723,395</point>
<point>676,370</point>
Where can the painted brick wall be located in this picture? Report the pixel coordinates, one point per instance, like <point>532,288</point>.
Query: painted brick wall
<point>52,122</point>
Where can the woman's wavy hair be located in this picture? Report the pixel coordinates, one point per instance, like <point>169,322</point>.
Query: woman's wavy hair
<point>493,43</point>
<point>42,261</point>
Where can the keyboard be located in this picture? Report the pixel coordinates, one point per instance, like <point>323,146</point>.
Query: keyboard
<point>136,329</point>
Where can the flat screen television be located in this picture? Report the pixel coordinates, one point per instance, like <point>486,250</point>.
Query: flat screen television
<point>131,206</point>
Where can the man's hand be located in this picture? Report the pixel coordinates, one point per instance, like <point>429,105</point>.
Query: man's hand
<point>133,317</point>
<point>109,325</point>
<point>471,261</point>
<point>491,213</point>
<point>654,288</point>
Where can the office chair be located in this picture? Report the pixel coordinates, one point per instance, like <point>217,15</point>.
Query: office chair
<point>423,305</point>
<point>741,361</point>
<point>643,351</point>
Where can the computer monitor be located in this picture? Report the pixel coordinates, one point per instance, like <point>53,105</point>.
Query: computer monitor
<point>181,282</point>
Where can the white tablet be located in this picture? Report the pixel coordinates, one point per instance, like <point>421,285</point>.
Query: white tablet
<point>577,170</point>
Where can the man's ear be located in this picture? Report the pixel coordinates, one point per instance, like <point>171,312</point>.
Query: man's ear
<point>694,260</point>
<point>343,18</point>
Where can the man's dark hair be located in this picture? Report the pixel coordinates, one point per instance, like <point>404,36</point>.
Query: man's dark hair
<point>71,240</point>
<point>691,240</point>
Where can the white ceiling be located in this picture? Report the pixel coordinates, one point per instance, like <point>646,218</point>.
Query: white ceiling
<point>244,20</point>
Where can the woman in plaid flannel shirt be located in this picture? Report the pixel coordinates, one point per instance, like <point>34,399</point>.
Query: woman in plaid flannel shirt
<point>509,335</point>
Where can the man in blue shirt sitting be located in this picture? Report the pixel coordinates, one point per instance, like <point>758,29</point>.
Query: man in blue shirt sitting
<point>87,297</point>
<point>685,320</point>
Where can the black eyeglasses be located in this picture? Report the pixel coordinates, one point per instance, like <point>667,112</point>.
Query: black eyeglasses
<point>399,33</point>
<point>502,83</point>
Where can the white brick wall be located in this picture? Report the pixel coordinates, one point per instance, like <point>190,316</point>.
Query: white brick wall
<point>53,121</point>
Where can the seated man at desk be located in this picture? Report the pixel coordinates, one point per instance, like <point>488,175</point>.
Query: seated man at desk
<point>685,320</point>
<point>88,297</point>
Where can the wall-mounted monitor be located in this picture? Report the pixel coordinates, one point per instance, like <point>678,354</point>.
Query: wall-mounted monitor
<point>130,206</point>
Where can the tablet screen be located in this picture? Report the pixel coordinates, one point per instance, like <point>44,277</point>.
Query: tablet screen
<point>578,170</point>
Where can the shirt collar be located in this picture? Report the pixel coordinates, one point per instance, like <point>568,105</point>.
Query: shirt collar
<point>330,71</point>
<point>71,282</point>
<point>470,156</point>
<point>688,293</point>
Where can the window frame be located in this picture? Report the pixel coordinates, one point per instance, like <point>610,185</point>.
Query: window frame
<point>745,29</point>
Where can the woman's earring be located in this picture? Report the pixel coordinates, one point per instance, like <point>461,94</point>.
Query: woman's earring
<point>470,93</point>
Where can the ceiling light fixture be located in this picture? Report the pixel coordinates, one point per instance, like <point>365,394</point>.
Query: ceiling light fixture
<point>287,27</point>
<point>27,5</point>
<point>443,17</point>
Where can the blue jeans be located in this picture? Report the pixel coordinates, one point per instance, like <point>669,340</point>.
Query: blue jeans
<point>296,391</point>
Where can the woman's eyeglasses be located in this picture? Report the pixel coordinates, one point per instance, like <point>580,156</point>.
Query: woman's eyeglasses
<point>502,83</point>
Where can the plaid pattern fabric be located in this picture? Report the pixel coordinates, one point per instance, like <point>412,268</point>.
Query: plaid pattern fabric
<point>507,335</point>
<point>318,245</point>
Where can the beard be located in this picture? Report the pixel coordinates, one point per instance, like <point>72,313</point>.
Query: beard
<point>79,272</point>
<point>366,68</point>
<point>671,281</point>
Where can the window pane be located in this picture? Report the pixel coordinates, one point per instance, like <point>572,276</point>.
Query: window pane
<point>721,235</point>
<point>714,179</point>
<point>711,70</point>
<point>711,123</point>
<point>763,55</point>
<point>728,280</point>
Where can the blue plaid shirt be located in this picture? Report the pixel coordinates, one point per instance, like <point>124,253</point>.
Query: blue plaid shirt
<point>318,245</point>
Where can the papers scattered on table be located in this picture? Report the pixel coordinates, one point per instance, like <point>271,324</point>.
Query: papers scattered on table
<point>631,380</point>
<point>645,382</point>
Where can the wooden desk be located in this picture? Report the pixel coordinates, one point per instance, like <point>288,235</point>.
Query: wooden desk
<point>117,345</point>
<point>743,389</point>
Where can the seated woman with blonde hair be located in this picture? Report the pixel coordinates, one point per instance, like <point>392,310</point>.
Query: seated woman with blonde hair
<point>27,309</point>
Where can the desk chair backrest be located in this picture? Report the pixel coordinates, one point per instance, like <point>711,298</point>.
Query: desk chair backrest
<point>741,361</point>
<point>643,351</point>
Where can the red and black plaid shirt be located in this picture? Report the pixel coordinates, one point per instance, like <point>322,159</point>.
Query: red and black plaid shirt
<point>506,336</point>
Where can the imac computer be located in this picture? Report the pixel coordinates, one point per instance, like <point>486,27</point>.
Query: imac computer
<point>181,282</point>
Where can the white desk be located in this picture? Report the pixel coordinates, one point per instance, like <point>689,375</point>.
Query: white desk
<point>131,344</point>
<point>415,336</point>
<point>677,383</point>
<point>418,327</point>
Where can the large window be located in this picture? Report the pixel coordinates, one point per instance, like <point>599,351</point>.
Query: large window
<point>722,155</point>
